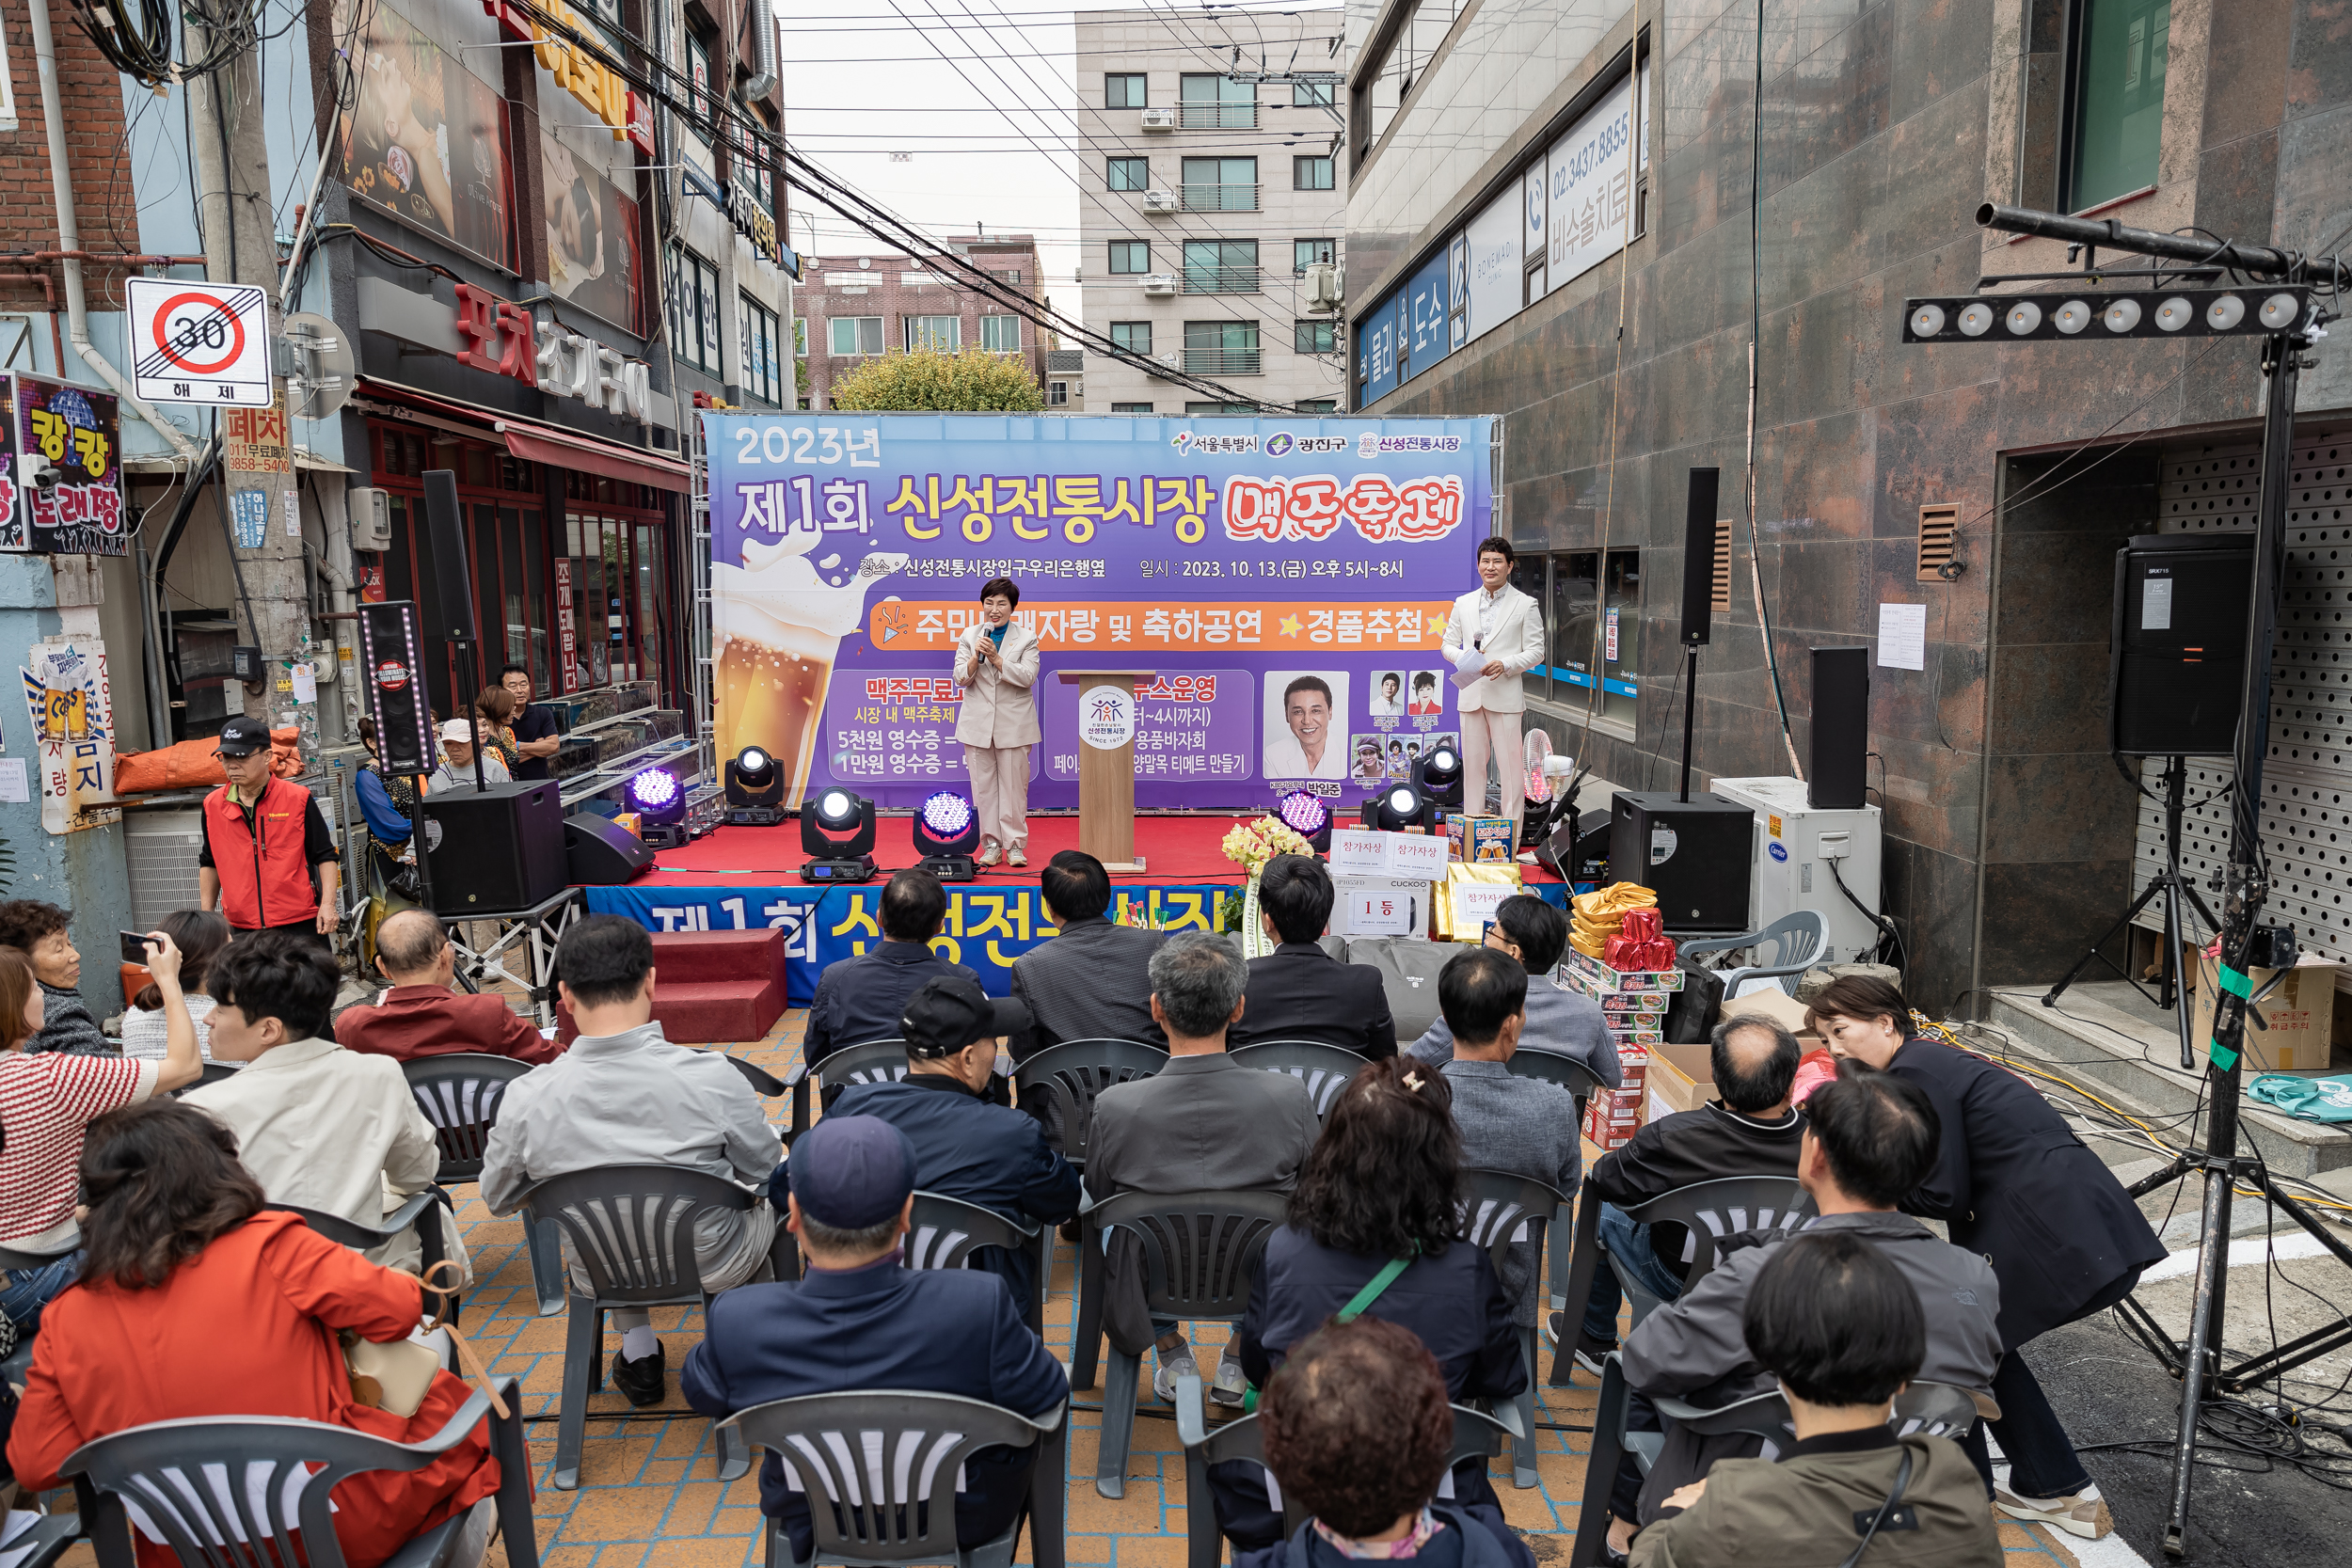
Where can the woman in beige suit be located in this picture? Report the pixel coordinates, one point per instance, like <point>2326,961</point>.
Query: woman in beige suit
<point>996,666</point>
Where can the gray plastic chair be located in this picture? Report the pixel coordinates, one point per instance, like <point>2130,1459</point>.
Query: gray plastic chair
<point>1476,1434</point>
<point>1554,1067</point>
<point>1501,1203</point>
<point>633,1230</point>
<point>431,1242</point>
<point>460,1095</point>
<point>1059,1085</point>
<point>764,1083</point>
<point>211,1073</point>
<point>1785,950</point>
<point>873,1514</point>
<point>198,1483</point>
<point>947,1230</point>
<point>1325,1069</point>
<point>867,1062</point>
<point>1198,1251</point>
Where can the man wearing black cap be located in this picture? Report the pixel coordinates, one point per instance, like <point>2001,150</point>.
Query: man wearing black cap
<point>991,1155</point>
<point>860,1321</point>
<point>263,836</point>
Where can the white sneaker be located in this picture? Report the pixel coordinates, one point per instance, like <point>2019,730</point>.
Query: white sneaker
<point>1164,1380</point>
<point>2076,1513</point>
<point>1232,1384</point>
<point>991,855</point>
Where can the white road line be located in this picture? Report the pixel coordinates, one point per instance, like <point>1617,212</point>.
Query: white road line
<point>2243,1254</point>
<point>2109,1551</point>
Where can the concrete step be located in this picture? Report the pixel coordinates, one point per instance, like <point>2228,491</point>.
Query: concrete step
<point>2126,1051</point>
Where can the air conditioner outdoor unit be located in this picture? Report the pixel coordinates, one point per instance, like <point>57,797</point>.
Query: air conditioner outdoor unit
<point>1159,120</point>
<point>1159,201</point>
<point>1159,285</point>
<point>1326,288</point>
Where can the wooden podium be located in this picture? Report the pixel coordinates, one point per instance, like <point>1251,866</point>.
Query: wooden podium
<point>1107,777</point>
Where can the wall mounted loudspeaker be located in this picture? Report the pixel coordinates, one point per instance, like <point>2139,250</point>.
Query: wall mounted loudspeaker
<point>446,588</point>
<point>1837,775</point>
<point>2177,652</point>
<point>599,852</point>
<point>1698,555</point>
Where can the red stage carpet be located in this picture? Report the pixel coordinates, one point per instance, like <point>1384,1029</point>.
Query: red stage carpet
<point>1175,850</point>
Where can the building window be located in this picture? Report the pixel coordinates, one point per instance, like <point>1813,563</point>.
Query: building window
<point>763,368</point>
<point>1594,625</point>
<point>1130,174</point>
<point>2116,105</point>
<point>1125,90</point>
<point>1131,255</point>
<point>694,309</point>
<point>1130,408</point>
<point>854,335</point>
<point>1315,337</point>
<point>1220,184</point>
<point>937,333</point>
<point>1219,103</point>
<point>1135,336</point>
<point>1310,174</point>
<point>1058,394</point>
<point>1307,253</point>
<point>1000,334</point>
<point>1318,405</point>
<point>1222,348</point>
<point>698,71</point>
<point>1312,95</point>
<point>1221,266</point>
<point>800,336</point>
<point>1220,408</point>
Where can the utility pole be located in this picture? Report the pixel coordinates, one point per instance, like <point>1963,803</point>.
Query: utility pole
<point>259,507</point>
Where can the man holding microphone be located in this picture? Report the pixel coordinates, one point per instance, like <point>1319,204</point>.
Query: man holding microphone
<point>1498,622</point>
<point>997,660</point>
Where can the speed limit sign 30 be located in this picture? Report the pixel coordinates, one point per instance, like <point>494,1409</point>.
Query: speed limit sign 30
<point>199,343</point>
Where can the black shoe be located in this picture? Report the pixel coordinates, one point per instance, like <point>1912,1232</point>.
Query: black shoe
<point>1590,1351</point>
<point>642,1380</point>
<point>1068,1230</point>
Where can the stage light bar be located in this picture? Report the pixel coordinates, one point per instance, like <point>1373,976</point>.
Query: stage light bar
<point>2094,314</point>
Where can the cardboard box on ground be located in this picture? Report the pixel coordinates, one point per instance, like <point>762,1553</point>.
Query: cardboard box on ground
<point>1682,1077</point>
<point>2301,1015</point>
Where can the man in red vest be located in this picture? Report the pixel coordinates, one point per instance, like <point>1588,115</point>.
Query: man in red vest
<point>263,835</point>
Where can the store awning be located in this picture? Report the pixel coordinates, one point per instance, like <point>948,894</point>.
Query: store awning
<point>536,441</point>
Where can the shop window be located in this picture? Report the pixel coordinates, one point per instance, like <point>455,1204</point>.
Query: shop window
<point>2115,115</point>
<point>763,369</point>
<point>694,311</point>
<point>1595,628</point>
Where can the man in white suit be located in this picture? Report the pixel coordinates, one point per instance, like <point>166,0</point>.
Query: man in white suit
<point>1497,620</point>
<point>997,660</point>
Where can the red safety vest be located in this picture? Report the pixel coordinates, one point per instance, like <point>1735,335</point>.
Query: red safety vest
<point>265,879</point>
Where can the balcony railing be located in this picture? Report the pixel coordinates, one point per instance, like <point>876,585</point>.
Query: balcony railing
<point>1221,198</point>
<point>1222,280</point>
<point>1224,361</point>
<point>1219,116</point>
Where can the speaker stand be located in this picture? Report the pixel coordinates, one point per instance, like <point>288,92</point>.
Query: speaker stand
<point>2171,988</point>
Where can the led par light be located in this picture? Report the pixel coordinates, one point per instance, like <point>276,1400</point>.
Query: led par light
<point>1439,777</point>
<point>2117,312</point>
<point>946,830</point>
<point>1398,808</point>
<point>837,836</point>
<point>1308,816</point>
<point>754,789</point>
<point>659,802</point>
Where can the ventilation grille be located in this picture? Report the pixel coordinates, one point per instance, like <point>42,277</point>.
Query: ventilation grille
<point>1722,600</point>
<point>1937,523</point>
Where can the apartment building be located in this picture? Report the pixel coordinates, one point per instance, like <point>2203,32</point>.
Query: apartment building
<point>1205,198</point>
<point>860,306</point>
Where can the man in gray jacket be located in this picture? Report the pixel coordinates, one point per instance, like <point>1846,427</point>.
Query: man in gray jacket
<point>1869,1137</point>
<point>624,1096</point>
<point>1564,1023</point>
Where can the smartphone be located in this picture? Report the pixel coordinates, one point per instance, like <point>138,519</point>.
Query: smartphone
<point>133,947</point>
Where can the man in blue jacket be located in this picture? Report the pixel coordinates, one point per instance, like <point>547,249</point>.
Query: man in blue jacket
<point>860,1321</point>
<point>965,1147</point>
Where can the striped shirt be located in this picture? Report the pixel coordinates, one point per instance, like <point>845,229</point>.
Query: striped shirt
<point>46,1102</point>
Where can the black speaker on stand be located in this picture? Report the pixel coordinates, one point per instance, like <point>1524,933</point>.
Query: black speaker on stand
<point>1698,596</point>
<point>1837,776</point>
<point>449,612</point>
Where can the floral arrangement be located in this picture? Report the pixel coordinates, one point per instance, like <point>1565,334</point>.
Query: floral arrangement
<point>1251,844</point>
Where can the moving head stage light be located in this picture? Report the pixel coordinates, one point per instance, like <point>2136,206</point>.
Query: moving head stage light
<point>1399,807</point>
<point>1439,776</point>
<point>945,831</point>
<point>754,789</point>
<point>837,836</point>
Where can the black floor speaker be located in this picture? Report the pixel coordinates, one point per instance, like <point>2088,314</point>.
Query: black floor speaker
<point>2176,652</point>
<point>495,850</point>
<point>1838,778</point>
<point>1694,854</point>
<point>602,852</point>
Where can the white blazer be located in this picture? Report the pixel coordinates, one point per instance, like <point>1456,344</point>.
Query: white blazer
<point>1515,635</point>
<point>998,710</point>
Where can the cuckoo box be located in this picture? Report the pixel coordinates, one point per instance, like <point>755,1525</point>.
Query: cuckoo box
<point>2300,1014</point>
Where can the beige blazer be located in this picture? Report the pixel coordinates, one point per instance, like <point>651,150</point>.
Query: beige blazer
<point>998,710</point>
<point>1515,635</point>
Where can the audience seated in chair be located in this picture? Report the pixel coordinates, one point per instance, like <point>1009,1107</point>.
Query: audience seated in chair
<point>862,998</point>
<point>624,1096</point>
<point>319,1126</point>
<point>989,1155</point>
<point>1833,1316</point>
<point>1384,1182</point>
<point>1870,1139</point>
<point>198,1300</point>
<point>147,1026</point>
<point>42,932</point>
<point>46,1101</point>
<point>1526,1126</point>
<point>1203,1123</point>
<point>1092,981</point>
<point>1566,1023</point>
<point>1298,991</point>
<point>1357,1429</point>
<point>423,1014</point>
<point>1749,1130</point>
<point>857,1320</point>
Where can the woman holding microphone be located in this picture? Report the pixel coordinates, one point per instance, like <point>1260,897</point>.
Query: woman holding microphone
<point>997,665</point>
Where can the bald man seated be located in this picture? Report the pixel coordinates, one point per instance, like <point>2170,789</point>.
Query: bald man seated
<point>423,1015</point>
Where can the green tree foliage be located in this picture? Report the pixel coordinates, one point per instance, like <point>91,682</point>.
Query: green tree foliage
<point>972,382</point>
